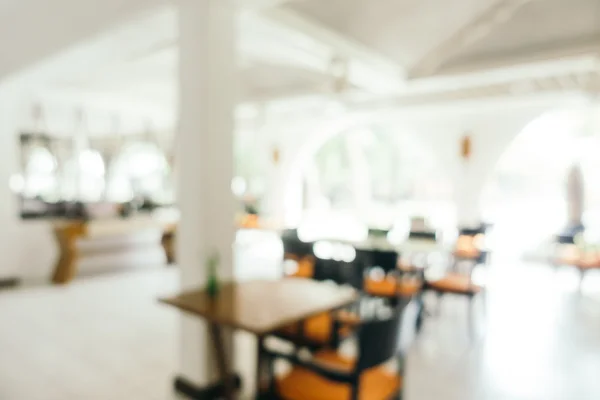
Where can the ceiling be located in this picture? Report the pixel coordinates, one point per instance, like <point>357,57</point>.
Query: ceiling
<point>402,30</point>
<point>539,27</point>
<point>401,52</point>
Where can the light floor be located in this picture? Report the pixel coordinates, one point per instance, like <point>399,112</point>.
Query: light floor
<point>108,338</point>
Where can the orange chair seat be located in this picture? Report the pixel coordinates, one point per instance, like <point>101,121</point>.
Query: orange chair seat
<point>575,260</point>
<point>458,284</point>
<point>391,287</point>
<point>582,262</point>
<point>302,384</point>
<point>568,255</point>
<point>467,253</point>
<point>588,263</point>
<point>305,266</point>
<point>318,329</point>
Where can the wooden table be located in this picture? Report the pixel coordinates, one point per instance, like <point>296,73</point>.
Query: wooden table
<point>260,308</point>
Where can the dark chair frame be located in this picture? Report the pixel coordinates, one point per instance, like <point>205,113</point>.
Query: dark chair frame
<point>482,259</point>
<point>340,273</point>
<point>371,259</point>
<point>422,235</point>
<point>378,342</point>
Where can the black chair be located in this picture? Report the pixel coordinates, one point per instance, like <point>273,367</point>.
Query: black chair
<point>422,235</point>
<point>459,281</point>
<point>478,230</point>
<point>298,252</point>
<point>331,376</point>
<point>374,232</point>
<point>328,329</point>
<point>390,283</point>
<point>339,272</point>
<point>295,246</point>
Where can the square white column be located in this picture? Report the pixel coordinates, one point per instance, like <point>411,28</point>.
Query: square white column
<point>204,159</point>
<point>10,106</point>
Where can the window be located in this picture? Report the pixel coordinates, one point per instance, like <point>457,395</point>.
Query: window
<point>83,177</point>
<point>140,169</point>
<point>379,177</point>
<point>40,174</point>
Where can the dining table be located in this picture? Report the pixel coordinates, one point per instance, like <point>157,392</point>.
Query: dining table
<point>259,307</point>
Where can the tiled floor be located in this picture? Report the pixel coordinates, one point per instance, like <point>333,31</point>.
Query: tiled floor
<point>107,338</point>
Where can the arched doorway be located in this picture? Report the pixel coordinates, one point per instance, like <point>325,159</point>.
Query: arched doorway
<point>526,196</point>
<point>373,175</point>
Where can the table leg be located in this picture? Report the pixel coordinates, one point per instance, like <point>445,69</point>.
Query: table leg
<point>222,361</point>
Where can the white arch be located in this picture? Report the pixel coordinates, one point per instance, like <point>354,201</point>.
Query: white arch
<point>286,187</point>
<point>285,202</point>
<point>553,153</point>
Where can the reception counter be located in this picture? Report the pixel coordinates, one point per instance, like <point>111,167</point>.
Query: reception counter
<point>79,241</point>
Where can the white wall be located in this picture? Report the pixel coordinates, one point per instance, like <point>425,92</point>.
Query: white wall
<point>29,248</point>
<point>491,124</point>
<point>9,222</point>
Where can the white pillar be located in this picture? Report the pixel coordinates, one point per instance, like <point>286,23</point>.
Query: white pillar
<point>204,154</point>
<point>468,186</point>
<point>10,102</point>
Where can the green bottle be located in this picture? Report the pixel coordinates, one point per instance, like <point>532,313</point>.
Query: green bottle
<point>212,281</point>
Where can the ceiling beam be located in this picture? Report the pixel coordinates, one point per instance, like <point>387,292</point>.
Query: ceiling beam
<point>473,31</point>
<point>261,4</point>
<point>368,69</point>
<point>548,52</point>
<point>567,84</point>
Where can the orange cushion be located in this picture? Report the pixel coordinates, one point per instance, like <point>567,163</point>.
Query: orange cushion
<point>567,260</point>
<point>318,329</point>
<point>468,253</point>
<point>302,384</point>
<point>588,263</point>
<point>454,283</point>
<point>468,247</point>
<point>305,266</point>
<point>391,287</point>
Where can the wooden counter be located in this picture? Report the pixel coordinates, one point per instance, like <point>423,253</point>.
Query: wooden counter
<point>69,233</point>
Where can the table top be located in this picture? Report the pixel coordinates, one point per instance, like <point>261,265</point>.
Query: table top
<point>261,307</point>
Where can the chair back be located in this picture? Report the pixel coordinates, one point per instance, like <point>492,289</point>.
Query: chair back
<point>386,260</point>
<point>378,232</point>
<point>338,263</point>
<point>480,230</point>
<point>423,235</point>
<point>565,239</point>
<point>325,270</point>
<point>296,247</point>
<point>290,233</point>
<point>379,339</point>
<point>483,257</point>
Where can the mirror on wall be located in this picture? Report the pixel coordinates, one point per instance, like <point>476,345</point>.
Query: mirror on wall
<point>108,176</point>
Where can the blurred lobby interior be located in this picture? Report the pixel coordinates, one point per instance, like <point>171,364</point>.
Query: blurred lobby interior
<point>300,199</point>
